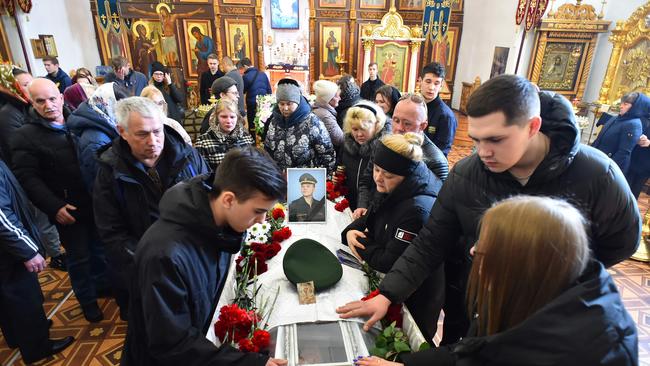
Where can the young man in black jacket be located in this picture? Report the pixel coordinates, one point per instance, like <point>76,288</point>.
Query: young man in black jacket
<point>45,162</point>
<point>182,262</point>
<point>208,77</point>
<point>527,143</point>
<point>442,121</point>
<point>22,318</point>
<point>125,196</point>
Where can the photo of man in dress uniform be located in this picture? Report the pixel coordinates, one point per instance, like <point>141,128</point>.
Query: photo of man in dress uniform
<point>307,208</point>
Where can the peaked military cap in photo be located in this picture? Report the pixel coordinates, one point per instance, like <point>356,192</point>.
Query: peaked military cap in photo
<point>307,178</point>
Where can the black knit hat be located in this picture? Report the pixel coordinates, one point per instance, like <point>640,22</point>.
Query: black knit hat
<point>157,66</point>
<point>221,85</point>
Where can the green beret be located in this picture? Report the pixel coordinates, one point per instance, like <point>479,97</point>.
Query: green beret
<point>308,260</point>
<point>307,178</point>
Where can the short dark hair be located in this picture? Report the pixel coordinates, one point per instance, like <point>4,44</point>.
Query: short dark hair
<point>245,171</point>
<point>514,96</point>
<point>434,68</point>
<point>246,61</point>
<point>372,64</point>
<point>119,62</point>
<point>52,59</point>
<point>212,56</point>
<point>16,71</point>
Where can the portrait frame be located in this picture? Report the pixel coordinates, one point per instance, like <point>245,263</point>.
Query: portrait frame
<point>281,22</point>
<point>49,44</point>
<point>190,57</point>
<point>396,54</point>
<point>246,27</point>
<point>295,195</point>
<point>38,48</point>
<point>499,61</point>
<point>411,5</point>
<point>370,4</point>
<point>561,66</point>
<point>333,3</point>
<point>340,35</point>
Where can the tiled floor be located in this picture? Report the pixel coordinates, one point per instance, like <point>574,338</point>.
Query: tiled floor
<point>100,344</point>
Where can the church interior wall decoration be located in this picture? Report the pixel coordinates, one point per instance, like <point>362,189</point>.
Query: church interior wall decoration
<point>284,14</point>
<point>239,38</point>
<point>333,3</point>
<point>564,48</point>
<point>332,48</point>
<point>198,45</point>
<point>392,61</point>
<point>628,69</point>
<point>372,4</point>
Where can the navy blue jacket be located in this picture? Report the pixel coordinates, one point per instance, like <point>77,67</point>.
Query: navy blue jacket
<point>619,136</point>
<point>19,236</point>
<point>61,79</point>
<point>135,81</point>
<point>585,325</point>
<point>93,131</point>
<point>262,86</point>
<point>442,125</point>
<point>641,155</point>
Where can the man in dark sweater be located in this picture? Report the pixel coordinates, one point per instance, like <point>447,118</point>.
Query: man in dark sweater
<point>442,121</point>
<point>208,77</point>
<point>54,73</point>
<point>370,86</point>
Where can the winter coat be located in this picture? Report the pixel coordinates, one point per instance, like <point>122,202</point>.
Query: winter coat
<point>585,325</point>
<point>442,124</point>
<point>255,83</point>
<point>46,164</point>
<point>355,158</point>
<point>369,88</point>
<point>393,220</point>
<point>19,236</point>
<point>214,144</point>
<point>12,115</point>
<point>578,173</point>
<point>300,141</point>
<point>432,157</point>
<point>327,114</point>
<point>93,131</point>
<point>235,75</point>
<point>135,81</point>
<point>207,78</point>
<point>619,136</point>
<point>181,264</point>
<point>640,160</point>
<point>126,199</point>
<point>174,99</point>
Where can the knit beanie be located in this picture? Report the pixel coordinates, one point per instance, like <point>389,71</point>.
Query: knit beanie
<point>288,92</point>
<point>157,66</point>
<point>325,90</point>
<point>221,85</point>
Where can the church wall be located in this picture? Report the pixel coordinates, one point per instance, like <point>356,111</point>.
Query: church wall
<point>69,21</point>
<point>279,48</point>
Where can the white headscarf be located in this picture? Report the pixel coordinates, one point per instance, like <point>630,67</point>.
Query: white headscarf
<point>103,102</point>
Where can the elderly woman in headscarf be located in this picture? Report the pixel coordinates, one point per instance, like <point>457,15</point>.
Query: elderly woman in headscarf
<point>95,124</point>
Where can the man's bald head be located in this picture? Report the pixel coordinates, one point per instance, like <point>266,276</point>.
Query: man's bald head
<point>47,100</point>
<point>410,115</point>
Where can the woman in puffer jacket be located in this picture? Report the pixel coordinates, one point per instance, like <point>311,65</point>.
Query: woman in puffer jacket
<point>226,131</point>
<point>536,296</point>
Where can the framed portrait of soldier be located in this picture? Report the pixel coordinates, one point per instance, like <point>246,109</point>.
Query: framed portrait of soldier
<point>306,195</point>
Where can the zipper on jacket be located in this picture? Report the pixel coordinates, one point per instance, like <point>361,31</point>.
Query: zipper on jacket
<point>358,174</point>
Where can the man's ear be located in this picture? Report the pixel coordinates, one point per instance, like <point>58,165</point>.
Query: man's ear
<point>534,125</point>
<point>423,126</point>
<point>227,199</point>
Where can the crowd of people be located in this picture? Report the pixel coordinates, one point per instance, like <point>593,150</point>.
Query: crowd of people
<point>513,243</point>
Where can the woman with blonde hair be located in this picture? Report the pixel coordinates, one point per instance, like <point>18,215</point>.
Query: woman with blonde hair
<point>406,191</point>
<point>536,296</point>
<point>153,93</point>
<point>364,125</point>
<point>226,131</point>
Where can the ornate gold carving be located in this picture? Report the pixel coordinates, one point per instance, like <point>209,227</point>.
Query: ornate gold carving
<point>415,46</point>
<point>391,26</point>
<point>333,14</point>
<point>413,16</point>
<point>239,11</point>
<point>628,69</point>
<point>575,12</point>
<point>367,44</point>
<point>370,15</point>
<point>217,23</point>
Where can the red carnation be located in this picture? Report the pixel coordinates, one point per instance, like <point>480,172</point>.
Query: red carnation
<point>394,314</point>
<point>277,236</point>
<point>246,345</point>
<point>329,186</point>
<point>277,213</point>
<point>261,339</point>
<point>273,249</point>
<point>286,232</point>
<point>341,206</point>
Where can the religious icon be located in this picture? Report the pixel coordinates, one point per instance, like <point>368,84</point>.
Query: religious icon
<point>145,47</point>
<point>199,46</point>
<point>372,4</point>
<point>306,194</point>
<point>168,22</point>
<point>332,3</point>
<point>499,61</point>
<point>284,14</point>
<point>238,39</point>
<point>333,46</point>
<point>411,4</point>
<point>391,59</point>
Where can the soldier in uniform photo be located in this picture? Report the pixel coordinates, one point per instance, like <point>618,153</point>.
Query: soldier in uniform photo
<point>307,208</point>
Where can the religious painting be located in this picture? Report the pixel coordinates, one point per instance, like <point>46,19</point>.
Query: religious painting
<point>392,61</point>
<point>38,48</point>
<point>560,66</point>
<point>333,46</point>
<point>199,45</point>
<point>284,14</point>
<point>499,61</point>
<point>457,5</point>
<point>372,4</point>
<point>411,4</point>
<point>444,51</point>
<point>112,44</point>
<point>5,51</point>
<point>306,194</point>
<point>332,3</point>
<point>48,43</point>
<point>167,20</point>
<point>239,38</point>
<point>147,45</point>
<point>240,2</point>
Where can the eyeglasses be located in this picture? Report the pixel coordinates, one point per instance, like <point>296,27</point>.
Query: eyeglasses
<point>158,73</point>
<point>161,103</point>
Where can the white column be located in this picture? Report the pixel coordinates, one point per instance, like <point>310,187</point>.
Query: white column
<point>413,70</point>
<point>367,47</point>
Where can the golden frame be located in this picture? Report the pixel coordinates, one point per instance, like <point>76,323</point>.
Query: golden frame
<point>340,28</point>
<point>333,3</point>
<point>628,68</point>
<point>38,48</point>
<point>411,5</point>
<point>364,4</point>
<point>102,36</point>
<point>564,49</point>
<point>231,26</point>
<point>206,29</point>
<point>404,64</point>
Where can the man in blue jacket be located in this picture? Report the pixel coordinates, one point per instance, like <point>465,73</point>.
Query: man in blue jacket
<point>134,172</point>
<point>22,318</point>
<point>54,73</point>
<point>442,121</point>
<point>255,83</point>
<point>125,76</point>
